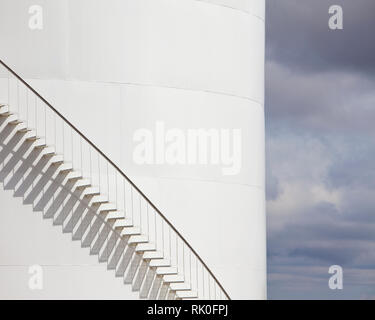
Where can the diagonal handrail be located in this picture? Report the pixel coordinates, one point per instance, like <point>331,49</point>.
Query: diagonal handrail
<point>119,171</point>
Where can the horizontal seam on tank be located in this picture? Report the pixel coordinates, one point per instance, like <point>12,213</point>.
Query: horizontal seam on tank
<point>233,8</point>
<point>211,181</point>
<point>197,90</point>
<point>158,86</point>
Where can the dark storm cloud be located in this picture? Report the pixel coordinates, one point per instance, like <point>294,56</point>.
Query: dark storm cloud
<point>298,35</point>
<point>320,109</point>
<point>356,167</point>
<point>320,101</point>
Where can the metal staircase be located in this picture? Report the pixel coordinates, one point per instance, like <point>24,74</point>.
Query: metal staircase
<point>61,173</point>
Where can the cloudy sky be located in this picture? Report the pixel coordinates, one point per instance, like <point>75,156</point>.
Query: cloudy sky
<point>320,113</point>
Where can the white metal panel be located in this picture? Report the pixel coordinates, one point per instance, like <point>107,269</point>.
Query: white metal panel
<point>164,43</point>
<point>140,107</point>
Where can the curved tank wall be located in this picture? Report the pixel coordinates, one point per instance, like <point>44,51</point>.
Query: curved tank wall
<point>119,66</point>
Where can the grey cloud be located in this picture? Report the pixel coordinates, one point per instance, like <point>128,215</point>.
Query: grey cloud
<point>320,107</point>
<point>356,167</point>
<point>318,103</point>
<point>329,255</point>
<point>298,35</point>
<point>316,240</point>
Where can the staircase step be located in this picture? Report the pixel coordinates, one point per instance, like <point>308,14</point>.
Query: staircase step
<point>40,144</point>
<point>187,295</point>
<point>180,286</point>
<point>166,270</point>
<point>131,231</point>
<point>159,262</point>
<point>75,175</point>
<point>138,239</point>
<point>153,255</point>
<point>48,152</point>
<point>66,167</point>
<point>83,184</point>
<point>145,247</point>
<point>4,108</point>
<point>115,215</point>
<point>108,207</point>
<point>31,136</point>
<point>13,120</point>
<point>173,279</point>
<point>89,191</point>
<point>98,200</point>
<point>22,128</point>
<point>5,114</point>
<point>123,223</point>
<point>57,159</point>
<point>12,117</point>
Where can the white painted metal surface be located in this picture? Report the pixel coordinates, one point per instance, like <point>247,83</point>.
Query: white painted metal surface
<point>116,66</point>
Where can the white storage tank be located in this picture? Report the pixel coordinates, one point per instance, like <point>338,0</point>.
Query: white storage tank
<point>173,92</point>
